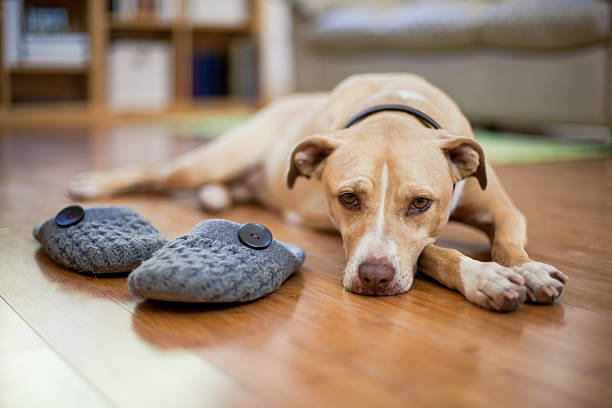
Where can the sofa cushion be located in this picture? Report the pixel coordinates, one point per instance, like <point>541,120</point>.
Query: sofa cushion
<point>545,23</point>
<point>350,27</point>
<point>316,8</point>
<point>437,24</point>
<point>461,23</point>
<point>414,25</point>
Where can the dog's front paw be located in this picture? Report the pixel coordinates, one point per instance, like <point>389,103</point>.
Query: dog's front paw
<point>492,286</point>
<point>544,282</point>
<point>86,185</point>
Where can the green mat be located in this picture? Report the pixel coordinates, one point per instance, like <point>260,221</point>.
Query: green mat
<point>512,148</point>
<point>207,128</point>
<point>500,147</point>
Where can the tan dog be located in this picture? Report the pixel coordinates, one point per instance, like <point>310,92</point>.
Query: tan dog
<point>388,184</point>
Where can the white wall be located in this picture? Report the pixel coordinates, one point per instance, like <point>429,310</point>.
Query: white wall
<point>276,58</point>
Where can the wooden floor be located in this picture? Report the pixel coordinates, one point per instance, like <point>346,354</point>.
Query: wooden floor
<point>84,341</point>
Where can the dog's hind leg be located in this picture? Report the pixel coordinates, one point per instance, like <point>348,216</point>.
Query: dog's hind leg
<point>215,197</point>
<point>219,161</point>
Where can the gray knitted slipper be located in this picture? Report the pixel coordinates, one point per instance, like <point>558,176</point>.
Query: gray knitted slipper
<point>99,240</point>
<point>217,261</point>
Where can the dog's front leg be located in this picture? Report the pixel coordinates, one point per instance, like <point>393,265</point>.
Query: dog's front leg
<point>492,212</point>
<point>544,282</point>
<point>487,284</point>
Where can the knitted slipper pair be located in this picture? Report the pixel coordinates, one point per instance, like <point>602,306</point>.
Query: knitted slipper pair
<point>217,261</point>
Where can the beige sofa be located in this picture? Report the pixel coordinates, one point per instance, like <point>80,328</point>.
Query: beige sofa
<point>504,62</point>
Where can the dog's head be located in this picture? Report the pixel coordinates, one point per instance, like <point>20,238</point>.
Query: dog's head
<point>388,185</point>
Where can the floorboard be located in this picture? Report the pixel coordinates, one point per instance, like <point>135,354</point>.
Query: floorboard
<point>70,339</point>
<point>33,374</point>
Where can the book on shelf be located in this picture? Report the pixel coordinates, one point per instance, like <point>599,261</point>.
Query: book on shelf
<point>11,26</point>
<point>61,49</point>
<point>160,10</point>
<point>209,74</point>
<point>243,73</point>
<point>216,73</point>
<point>42,36</point>
<point>226,13</point>
<point>140,74</point>
<point>47,20</point>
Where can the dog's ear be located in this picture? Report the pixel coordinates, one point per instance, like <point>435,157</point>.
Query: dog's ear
<point>466,158</point>
<point>309,156</point>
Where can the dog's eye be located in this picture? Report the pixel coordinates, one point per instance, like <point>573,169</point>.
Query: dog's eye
<point>419,204</point>
<point>349,200</point>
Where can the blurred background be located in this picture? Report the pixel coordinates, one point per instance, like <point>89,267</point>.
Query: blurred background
<point>513,66</point>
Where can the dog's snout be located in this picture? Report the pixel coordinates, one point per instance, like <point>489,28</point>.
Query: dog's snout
<point>376,275</point>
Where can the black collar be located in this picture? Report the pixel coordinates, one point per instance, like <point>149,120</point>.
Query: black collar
<point>397,108</point>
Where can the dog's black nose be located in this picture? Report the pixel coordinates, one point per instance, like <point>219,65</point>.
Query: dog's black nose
<point>376,275</point>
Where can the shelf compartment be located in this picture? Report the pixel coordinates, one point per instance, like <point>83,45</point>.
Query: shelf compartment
<point>209,29</point>
<point>64,87</point>
<point>48,70</point>
<point>139,25</point>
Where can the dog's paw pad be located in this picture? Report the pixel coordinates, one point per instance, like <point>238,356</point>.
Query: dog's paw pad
<point>214,197</point>
<point>493,286</point>
<point>544,283</point>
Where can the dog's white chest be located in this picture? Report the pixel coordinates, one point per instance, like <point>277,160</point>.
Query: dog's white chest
<point>456,197</point>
